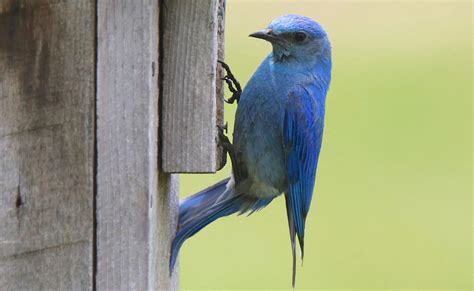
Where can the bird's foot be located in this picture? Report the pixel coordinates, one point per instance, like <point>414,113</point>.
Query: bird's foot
<point>223,140</point>
<point>232,83</point>
<point>228,147</point>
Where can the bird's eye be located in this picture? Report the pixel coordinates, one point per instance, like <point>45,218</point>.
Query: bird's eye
<point>300,36</point>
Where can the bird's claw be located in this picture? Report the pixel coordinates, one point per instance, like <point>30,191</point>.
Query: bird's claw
<point>223,140</point>
<point>223,127</point>
<point>228,148</point>
<point>232,83</point>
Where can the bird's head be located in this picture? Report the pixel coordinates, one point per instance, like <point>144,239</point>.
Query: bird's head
<point>296,38</point>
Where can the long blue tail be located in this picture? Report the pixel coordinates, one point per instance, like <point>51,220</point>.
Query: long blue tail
<point>204,199</point>
<point>201,209</point>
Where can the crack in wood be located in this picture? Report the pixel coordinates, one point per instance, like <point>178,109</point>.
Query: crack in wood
<point>44,249</point>
<point>18,201</point>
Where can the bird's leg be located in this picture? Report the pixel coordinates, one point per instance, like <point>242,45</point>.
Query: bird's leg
<point>228,147</point>
<point>232,83</point>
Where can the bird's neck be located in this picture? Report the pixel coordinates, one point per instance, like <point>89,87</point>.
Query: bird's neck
<point>316,70</point>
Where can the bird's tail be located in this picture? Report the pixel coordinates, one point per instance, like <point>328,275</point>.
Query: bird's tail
<point>203,208</point>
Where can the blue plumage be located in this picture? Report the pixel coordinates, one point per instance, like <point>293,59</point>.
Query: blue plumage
<point>277,134</point>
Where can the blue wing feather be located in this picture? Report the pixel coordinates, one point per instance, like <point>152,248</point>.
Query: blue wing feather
<point>302,132</point>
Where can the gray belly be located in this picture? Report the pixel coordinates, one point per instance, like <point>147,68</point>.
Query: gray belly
<point>259,146</point>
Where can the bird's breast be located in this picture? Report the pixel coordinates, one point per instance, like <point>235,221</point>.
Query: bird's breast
<point>258,138</point>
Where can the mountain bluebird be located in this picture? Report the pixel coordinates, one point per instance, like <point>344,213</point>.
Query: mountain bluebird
<point>277,134</point>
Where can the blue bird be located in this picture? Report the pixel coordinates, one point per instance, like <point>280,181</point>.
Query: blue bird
<point>277,135</point>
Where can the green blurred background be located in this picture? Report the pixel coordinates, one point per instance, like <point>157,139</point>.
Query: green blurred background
<point>393,201</point>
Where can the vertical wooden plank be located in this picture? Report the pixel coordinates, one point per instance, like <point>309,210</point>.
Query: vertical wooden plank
<point>190,51</point>
<point>220,156</point>
<point>136,205</point>
<point>46,144</point>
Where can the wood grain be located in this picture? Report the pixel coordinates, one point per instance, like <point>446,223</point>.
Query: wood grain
<point>190,52</point>
<point>46,144</point>
<point>136,205</point>
<point>221,158</point>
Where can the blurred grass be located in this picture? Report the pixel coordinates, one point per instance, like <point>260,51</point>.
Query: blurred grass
<point>393,201</point>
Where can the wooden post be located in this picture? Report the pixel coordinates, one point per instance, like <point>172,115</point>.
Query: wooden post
<point>193,31</point>
<point>84,203</point>
<point>46,144</point>
<point>136,205</point>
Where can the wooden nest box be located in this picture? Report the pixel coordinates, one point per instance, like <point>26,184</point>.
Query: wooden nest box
<point>100,101</point>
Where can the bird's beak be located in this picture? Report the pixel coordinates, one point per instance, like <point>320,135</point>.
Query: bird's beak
<point>266,34</point>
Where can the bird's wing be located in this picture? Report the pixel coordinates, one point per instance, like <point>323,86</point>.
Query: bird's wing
<point>302,134</point>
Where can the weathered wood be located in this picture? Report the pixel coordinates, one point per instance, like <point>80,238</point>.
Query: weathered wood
<point>46,144</point>
<point>190,53</point>
<point>221,157</point>
<point>136,205</point>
